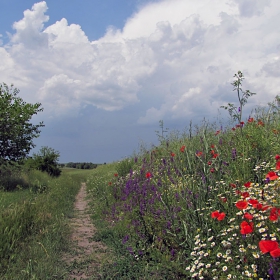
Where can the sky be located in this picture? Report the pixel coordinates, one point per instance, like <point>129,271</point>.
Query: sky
<point>106,72</point>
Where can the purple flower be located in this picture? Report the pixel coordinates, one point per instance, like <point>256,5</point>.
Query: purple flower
<point>125,239</point>
<point>233,154</point>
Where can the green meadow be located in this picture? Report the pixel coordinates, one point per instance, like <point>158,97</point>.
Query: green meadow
<point>202,204</point>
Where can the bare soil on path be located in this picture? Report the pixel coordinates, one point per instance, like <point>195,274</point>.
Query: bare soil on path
<point>85,255</point>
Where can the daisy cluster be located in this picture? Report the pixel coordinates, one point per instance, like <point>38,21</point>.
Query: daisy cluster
<point>245,234</point>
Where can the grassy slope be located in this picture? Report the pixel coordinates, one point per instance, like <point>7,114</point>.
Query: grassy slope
<point>35,226</point>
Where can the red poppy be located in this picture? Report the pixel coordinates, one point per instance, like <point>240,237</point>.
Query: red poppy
<point>238,125</point>
<point>199,154</point>
<point>212,170</point>
<point>271,175</point>
<point>274,214</point>
<point>148,175</point>
<point>241,204</point>
<point>245,194</point>
<point>217,132</point>
<point>182,149</point>
<point>116,174</point>
<point>275,253</point>
<point>238,192</point>
<point>268,245</point>
<point>253,201</point>
<point>221,216</point>
<point>250,120</point>
<point>172,154</point>
<point>265,207</point>
<point>278,165</point>
<point>232,185</point>
<point>273,217</point>
<point>246,227</point>
<point>233,129</point>
<point>248,216</point>
<point>223,199</point>
<point>247,184</point>
<point>110,183</point>
<point>260,123</point>
<point>212,146</point>
<point>215,214</point>
<point>212,152</point>
<point>209,162</point>
<point>241,123</point>
<point>277,157</point>
<point>215,155</point>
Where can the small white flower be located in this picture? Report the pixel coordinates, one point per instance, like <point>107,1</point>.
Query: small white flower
<point>225,268</point>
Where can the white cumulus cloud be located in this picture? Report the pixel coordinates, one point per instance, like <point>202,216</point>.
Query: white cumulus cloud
<point>172,58</point>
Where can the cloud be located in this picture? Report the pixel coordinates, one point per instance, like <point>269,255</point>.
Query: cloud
<point>173,59</point>
<point>249,8</point>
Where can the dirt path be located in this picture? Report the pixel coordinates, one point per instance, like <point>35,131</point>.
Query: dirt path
<point>85,254</point>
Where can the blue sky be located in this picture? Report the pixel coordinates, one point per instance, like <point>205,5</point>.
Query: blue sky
<point>107,71</point>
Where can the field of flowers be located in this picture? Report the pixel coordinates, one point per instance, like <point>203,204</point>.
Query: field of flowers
<point>204,204</point>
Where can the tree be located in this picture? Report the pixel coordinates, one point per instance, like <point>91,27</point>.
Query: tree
<point>16,130</point>
<point>46,160</point>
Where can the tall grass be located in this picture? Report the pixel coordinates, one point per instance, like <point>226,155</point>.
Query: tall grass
<point>34,225</point>
<point>204,204</point>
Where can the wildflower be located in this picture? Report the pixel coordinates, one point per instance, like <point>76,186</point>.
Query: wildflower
<point>242,204</point>
<point>248,216</point>
<point>116,175</point>
<point>148,175</point>
<point>217,215</point>
<point>233,154</point>
<point>225,268</point>
<point>274,213</point>
<point>247,184</point>
<point>275,253</point>
<point>277,165</point>
<point>245,194</point>
<point>212,170</point>
<point>253,201</point>
<point>250,120</point>
<point>182,149</point>
<point>271,175</point>
<point>217,132</point>
<point>270,246</point>
<point>199,153</point>
<point>260,123</point>
<point>277,157</point>
<point>246,227</point>
<point>172,154</point>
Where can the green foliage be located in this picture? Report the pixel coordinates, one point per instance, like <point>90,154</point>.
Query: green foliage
<point>16,130</point>
<point>10,177</point>
<point>125,166</point>
<point>81,165</point>
<point>45,160</point>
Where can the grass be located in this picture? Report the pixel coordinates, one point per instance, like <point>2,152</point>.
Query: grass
<point>34,225</point>
<point>204,204</point>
